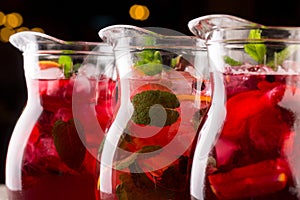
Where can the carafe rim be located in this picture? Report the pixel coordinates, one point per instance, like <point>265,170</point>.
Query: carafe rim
<point>123,36</point>
<point>204,25</point>
<point>31,41</point>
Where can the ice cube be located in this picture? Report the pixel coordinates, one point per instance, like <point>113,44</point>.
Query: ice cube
<point>50,73</point>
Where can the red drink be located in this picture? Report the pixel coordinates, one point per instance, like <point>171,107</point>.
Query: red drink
<point>164,93</point>
<point>256,153</point>
<point>147,150</point>
<point>248,147</point>
<point>54,151</point>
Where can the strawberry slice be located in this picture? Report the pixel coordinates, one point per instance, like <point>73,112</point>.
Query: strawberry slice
<point>151,135</point>
<point>257,119</point>
<point>225,151</point>
<point>239,108</point>
<point>268,129</point>
<point>244,106</point>
<point>150,86</point>
<point>261,178</point>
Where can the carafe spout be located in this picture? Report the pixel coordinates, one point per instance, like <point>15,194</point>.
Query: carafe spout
<point>30,40</point>
<point>202,26</point>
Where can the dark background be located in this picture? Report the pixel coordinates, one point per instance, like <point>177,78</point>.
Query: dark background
<point>81,20</point>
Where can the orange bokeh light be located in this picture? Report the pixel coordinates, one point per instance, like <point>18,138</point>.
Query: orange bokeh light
<point>139,12</point>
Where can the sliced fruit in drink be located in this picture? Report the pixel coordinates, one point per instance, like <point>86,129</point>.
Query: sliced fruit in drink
<point>261,178</point>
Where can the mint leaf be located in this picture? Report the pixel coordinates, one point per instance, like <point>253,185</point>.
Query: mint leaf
<point>256,51</point>
<point>76,67</point>
<point>138,186</point>
<point>126,162</point>
<point>149,62</point>
<point>282,55</point>
<point>68,143</point>
<point>231,61</point>
<point>145,56</point>
<point>259,51</point>
<point>149,149</point>
<point>180,63</point>
<point>150,69</point>
<point>67,65</point>
<point>175,62</point>
<point>157,56</point>
<point>155,103</point>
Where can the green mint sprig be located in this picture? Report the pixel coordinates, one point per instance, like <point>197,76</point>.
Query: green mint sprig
<point>149,62</point>
<point>231,61</point>
<point>68,144</point>
<point>281,56</point>
<point>138,186</point>
<point>258,52</point>
<point>155,103</point>
<point>67,65</point>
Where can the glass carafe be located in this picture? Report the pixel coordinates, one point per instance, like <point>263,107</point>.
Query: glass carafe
<point>249,145</point>
<point>52,153</point>
<point>164,94</point>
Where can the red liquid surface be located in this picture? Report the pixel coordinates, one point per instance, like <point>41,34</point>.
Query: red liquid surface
<point>56,163</point>
<point>257,154</point>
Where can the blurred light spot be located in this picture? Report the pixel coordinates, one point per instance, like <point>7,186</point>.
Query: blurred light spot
<point>23,28</point>
<point>2,18</point>
<point>11,23</point>
<point>13,20</point>
<point>139,12</point>
<point>37,29</point>
<point>5,33</point>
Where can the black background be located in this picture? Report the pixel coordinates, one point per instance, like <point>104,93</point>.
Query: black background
<point>81,20</point>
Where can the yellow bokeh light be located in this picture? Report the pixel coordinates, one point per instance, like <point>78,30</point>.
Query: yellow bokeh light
<point>132,11</point>
<point>37,29</point>
<point>13,20</point>
<point>5,33</point>
<point>11,23</point>
<point>2,18</point>
<point>146,13</point>
<point>23,28</point>
<point>139,12</point>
